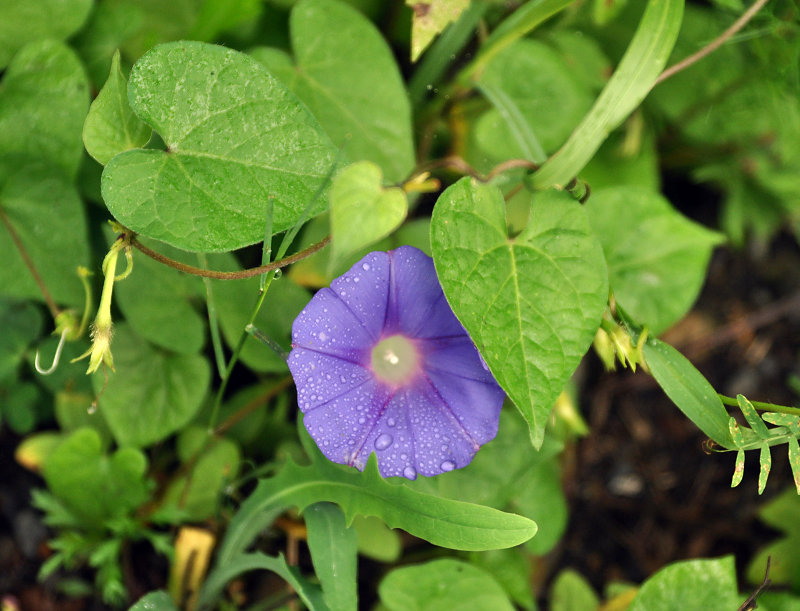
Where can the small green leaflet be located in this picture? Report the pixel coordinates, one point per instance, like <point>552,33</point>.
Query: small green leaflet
<point>235,138</point>
<point>532,303</point>
<point>429,19</point>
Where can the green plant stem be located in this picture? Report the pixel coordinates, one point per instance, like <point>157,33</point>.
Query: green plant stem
<point>762,406</point>
<point>48,298</point>
<point>240,275</point>
<point>213,321</point>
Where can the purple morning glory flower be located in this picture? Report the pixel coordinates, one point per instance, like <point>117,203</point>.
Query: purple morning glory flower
<point>382,365</point>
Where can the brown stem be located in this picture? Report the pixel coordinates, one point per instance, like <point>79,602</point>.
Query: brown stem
<point>454,162</point>
<point>217,275</point>
<point>714,44</point>
<point>51,304</point>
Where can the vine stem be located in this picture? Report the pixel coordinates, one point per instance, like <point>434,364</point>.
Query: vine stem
<point>218,275</point>
<point>762,406</point>
<point>714,44</point>
<point>48,298</point>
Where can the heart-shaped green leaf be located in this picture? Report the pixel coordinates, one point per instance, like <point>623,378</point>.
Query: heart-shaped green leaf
<point>111,127</point>
<point>25,22</point>
<point>43,101</point>
<point>93,485</point>
<point>153,393</point>
<point>362,211</point>
<point>656,258</point>
<point>345,73</point>
<point>235,138</point>
<point>532,303</point>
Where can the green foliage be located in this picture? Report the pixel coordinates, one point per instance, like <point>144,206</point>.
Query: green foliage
<point>707,585</point>
<point>442,584</point>
<point>784,553</point>
<point>96,487</point>
<point>22,323</point>
<point>209,190</point>
<point>333,552</point>
<point>159,393</point>
<point>571,591</point>
<point>346,75</point>
<point>111,127</point>
<point>535,315</point>
<point>362,211</point>
<point>656,258</point>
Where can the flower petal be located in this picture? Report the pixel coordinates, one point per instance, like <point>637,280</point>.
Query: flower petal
<point>327,325</point>
<point>340,426</point>
<point>457,356</point>
<point>417,306</point>
<point>365,290</point>
<point>320,377</point>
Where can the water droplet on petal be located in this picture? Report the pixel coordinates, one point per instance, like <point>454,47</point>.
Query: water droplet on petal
<point>383,441</point>
<point>322,336</point>
<point>365,267</point>
<point>391,422</point>
<point>447,465</point>
<point>410,473</point>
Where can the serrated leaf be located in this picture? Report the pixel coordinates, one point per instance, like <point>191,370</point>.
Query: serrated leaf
<point>95,486</point>
<point>111,127</point>
<point>429,19</point>
<point>344,71</point>
<point>691,585</point>
<point>458,525</point>
<point>657,258</point>
<point>443,583</point>
<point>40,203</point>
<point>362,210</point>
<point>31,124</point>
<point>531,304</point>
<point>689,390</point>
<point>236,138</point>
<point>765,465</point>
<point>25,22</point>
<point>334,555</point>
<point>153,393</point>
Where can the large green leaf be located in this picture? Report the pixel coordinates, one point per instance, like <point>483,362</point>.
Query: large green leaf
<point>443,522</point>
<point>531,303</point>
<point>701,585</point>
<point>47,215</point>
<point>656,257</point>
<point>44,96</point>
<point>153,393</point>
<point>334,554</point>
<point>536,99</point>
<point>93,485</point>
<point>157,303</point>
<point>25,22</point>
<point>442,584</point>
<point>236,138</point>
<point>111,127</point>
<point>345,73</point>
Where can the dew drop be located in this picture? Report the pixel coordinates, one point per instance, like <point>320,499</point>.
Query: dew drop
<point>383,441</point>
<point>278,274</point>
<point>447,465</point>
<point>362,420</point>
<point>391,422</point>
<point>322,336</point>
<point>92,408</point>
<point>365,267</point>
<point>410,473</point>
